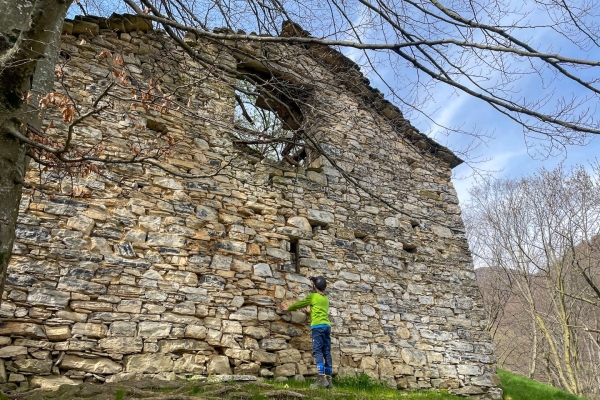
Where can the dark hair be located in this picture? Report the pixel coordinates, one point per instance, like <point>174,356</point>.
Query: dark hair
<point>319,281</point>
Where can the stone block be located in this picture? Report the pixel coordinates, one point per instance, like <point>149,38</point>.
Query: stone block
<point>185,308</point>
<point>182,346</point>
<point>289,356</point>
<point>300,223</point>
<point>190,364</point>
<point>148,329</point>
<point>48,297</point>
<point>125,249</point>
<point>256,332</point>
<point>267,314</point>
<point>13,351</point>
<point>98,365</point>
<point>314,263</point>
<point>121,345</point>
<point>81,223</point>
<point>220,262</point>
<point>238,354</point>
<point>179,319</point>
<point>294,233</point>
<point>413,357</point>
<point>317,217</point>
<point>58,333</point>
<point>129,306</point>
<point>467,369</point>
<point>195,332</point>
<point>91,330</point>
<point>219,365</point>
<point>247,369</point>
<point>278,253</point>
<point>37,367</point>
<point>69,284</point>
<point>26,329</point>
<point>32,233</point>
<point>232,327</point>
<point>441,231</point>
<point>207,213</point>
<point>185,277</point>
<point>273,344</point>
<point>148,363</point>
<point>354,345</point>
<point>51,383</point>
<point>167,183</point>
<point>14,377</point>
<point>286,370</point>
<point>150,222</point>
<point>287,329</point>
<point>165,239</point>
<point>249,313</point>
<point>447,371</point>
<point>86,28</point>
<point>263,270</point>
<point>122,328</point>
<point>264,357</point>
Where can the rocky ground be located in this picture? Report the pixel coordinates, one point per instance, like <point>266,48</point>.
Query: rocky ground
<point>251,390</point>
<point>156,389</point>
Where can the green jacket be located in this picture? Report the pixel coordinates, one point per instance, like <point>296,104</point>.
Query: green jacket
<point>319,308</point>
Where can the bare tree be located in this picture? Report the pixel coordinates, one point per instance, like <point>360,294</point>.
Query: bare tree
<point>540,235</point>
<point>29,34</point>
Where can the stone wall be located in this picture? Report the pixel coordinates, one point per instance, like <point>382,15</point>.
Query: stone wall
<point>144,272</point>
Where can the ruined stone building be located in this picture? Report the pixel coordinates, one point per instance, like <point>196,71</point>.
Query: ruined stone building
<point>131,270</point>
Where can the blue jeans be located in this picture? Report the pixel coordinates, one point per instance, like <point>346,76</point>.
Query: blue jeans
<point>321,340</point>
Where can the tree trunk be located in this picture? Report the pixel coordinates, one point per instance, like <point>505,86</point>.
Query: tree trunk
<point>534,350</point>
<point>29,39</point>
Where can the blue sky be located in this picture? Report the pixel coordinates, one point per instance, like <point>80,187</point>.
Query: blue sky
<point>509,153</point>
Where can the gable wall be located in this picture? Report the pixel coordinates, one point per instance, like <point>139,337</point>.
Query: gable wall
<point>148,273</point>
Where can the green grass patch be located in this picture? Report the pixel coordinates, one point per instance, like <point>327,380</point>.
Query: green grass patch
<point>119,394</point>
<point>360,388</point>
<point>518,387</point>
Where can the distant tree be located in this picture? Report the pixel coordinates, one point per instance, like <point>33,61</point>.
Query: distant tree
<point>541,237</point>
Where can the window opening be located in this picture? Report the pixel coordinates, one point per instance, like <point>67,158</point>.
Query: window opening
<point>293,265</point>
<point>268,120</point>
<point>295,252</point>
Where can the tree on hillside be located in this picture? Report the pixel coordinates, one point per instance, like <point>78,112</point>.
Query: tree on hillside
<point>485,50</point>
<point>540,235</point>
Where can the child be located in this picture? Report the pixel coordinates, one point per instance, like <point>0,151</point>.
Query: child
<point>320,328</point>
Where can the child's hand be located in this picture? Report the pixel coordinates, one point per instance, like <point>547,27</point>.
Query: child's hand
<point>283,307</point>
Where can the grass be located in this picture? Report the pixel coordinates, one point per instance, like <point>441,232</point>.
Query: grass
<point>119,394</point>
<point>517,387</point>
<point>361,388</point>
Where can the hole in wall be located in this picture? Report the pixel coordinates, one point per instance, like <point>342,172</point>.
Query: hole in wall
<point>295,253</point>
<point>409,248</point>
<point>268,118</point>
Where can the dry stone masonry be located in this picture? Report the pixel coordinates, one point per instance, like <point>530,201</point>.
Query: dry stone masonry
<point>144,273</point>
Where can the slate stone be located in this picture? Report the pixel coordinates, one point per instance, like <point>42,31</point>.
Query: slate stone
<point>71,284</point>
<point>48,297</point>
<point>33,233</point>
<point>98,365</point>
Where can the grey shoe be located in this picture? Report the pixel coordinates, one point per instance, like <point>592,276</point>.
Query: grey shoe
<point>321,382</point>
<point>329,383</point>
